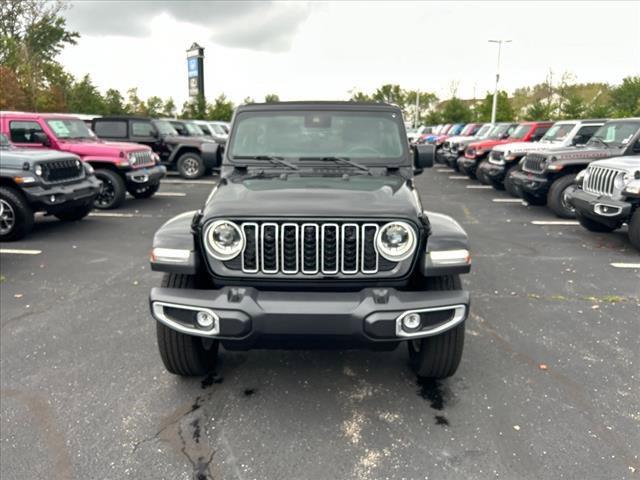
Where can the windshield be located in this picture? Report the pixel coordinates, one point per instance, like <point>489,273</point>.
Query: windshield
<point>499,131</point>
<point>4,141</point>
<point>218,129</point>
<point>374,136</point>
<point>616,134</point>
<point>521,131</point>
<point>164,127</point>
<point>193,129</point>
<point>70,128</point>
<point>468,130</point>
<point>484,131</point>
<point>558,132</point>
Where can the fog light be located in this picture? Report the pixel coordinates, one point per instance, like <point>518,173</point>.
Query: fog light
<point>411,321</point>
<point>205,319</point>
<point>53,199</point>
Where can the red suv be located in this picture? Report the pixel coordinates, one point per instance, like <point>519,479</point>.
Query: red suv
<point>121,167</point>
<point>503,133</point>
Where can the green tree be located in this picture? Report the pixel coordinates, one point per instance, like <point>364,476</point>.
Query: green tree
<point>625,99</point>
<point>84,97</point>
<point>169,108</point>
<point>456,111</point>
<point>195,109</point>
<point>114,102</point>
<point>392,94</point>
<point>271,98</point>
<point>248,101</point>
<point>539,110</point>
<point>32,34</point>
<point>154,106</point>
<point>357,96</point>
<point>222,109</point>
<point>426,102</point>
<point>504,111</point>
<point>598,110</point>
<point>135,106</point>
<point>573,107</point>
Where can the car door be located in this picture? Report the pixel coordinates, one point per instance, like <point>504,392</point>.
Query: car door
<point>21,133</point>
<point>142,131</point>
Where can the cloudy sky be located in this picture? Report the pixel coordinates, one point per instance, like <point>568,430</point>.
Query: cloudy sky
<point>317,50</point>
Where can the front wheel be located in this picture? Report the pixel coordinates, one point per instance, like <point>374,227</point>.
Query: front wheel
<point>16,216</point>
<point>438,356</point>
<point>74,214</point>
<point>183,354</point>
<point>143,191</point>
<point>113,190</point>
<point>190,165</point>
<point>558,196</point>
<point>634,229</point>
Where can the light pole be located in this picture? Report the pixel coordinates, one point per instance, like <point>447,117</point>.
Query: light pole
<point>495,92</point>
<point>417,115</point>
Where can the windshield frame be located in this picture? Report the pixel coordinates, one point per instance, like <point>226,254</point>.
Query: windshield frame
<point>90,136</point>
<point>402,160</point>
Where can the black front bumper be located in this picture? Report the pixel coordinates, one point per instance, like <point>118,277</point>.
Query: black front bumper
<point>57,198</point>
<point>468,165</point>
<point>245,316</point>
<point>532,183</point>
<point>495,172</point>
<point>602,209</point>
<point>146,176</point>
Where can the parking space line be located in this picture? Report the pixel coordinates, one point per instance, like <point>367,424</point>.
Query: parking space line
<point>191,182</point>
<point>15,251</point>
<point>555,222</point>
<point>119,215</point>
<point>458,177</point>
<point>625,265</point>
<point>170,194</point>
<point>507,200</point>
<point>445,170</point>
<point>479,187</point>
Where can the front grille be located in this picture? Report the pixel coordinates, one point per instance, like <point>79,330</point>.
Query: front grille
<point>534,163</point>
<point>310,248</point>
<point>496,157</point>
<point>470,151</point>
<point>61,170</point>
<point>601,180</point>
<point>446,145</point>
<point>141,159</point>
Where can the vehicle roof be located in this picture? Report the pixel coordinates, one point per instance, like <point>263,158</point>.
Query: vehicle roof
<point>318,105</point>
<point>32,115</point>
<point>124,117</point>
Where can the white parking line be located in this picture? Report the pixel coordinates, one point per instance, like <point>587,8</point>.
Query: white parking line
<point>170,194</point>
<point>191,182</point>
<point>119,215</point>
<point>15,251</point>
<point>555,222</point>
<point>445,170</point>
<point>479,187</point>
<point>625,265</point>
<point>507,200</point>
<point>458,177</point>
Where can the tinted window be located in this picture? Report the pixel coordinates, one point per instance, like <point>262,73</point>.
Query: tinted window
<point>587,131</point>
<point>538,133</point>
<point>141,129</point>
<point>181,129</point>
<point>205,129</point>
<point>22,132</point>
<point>110,128</point>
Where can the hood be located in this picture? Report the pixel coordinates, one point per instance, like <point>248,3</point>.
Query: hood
<point>18,156</point>
<point>525,147</point>
<point>487,144</point>
<point>184,140</point>
<point>313,197</point>
<point>630,163</point>
<point>101,148</point>
<point>582,153</point>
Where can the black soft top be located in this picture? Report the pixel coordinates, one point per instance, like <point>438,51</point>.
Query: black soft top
<point>333,105</point>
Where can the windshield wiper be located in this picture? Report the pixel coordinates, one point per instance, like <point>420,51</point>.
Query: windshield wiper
<point>343,160</point>
<point>269,158</point>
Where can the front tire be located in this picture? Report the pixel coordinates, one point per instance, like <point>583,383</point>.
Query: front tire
<point>438,356</point>
<point>16,216</point>
<point>190,165</point>
<point>113,190</point>
<point>634,229</point>
<point>558,196</point>
<point>75,214</point>
<point>183,354</point>
<point>593,225</point>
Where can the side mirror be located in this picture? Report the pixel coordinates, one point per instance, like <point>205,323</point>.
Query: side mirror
<point>423,157</point>
<point>40,137</point>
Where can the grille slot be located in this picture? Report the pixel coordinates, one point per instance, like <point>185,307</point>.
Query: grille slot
<point>311,248</point>
<point>601,180</point>
<point>534,163</point>
<point>61,170</point>
<point>142,158</point>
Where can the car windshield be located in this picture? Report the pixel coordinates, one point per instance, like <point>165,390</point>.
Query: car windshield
<point>484,131</point>
<point>360,135</point>
<point>617,134</point>
<point>218,129</point>
<point>193,129</point>
<point>468,130</point>
<point>521,131</point>
<point>558,132</point>
<point>164,127</point>
<point>70,128</point>
<point>499,131</point>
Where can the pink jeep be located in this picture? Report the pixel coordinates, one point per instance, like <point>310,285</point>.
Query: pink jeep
<point>122,167</point>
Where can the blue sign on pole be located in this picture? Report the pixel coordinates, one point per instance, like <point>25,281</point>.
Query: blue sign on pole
<point>192,64</point>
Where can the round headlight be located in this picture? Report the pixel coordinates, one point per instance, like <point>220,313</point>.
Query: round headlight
<point>396,241</point>
<point>621,180</point>
<point>224,240</point>
<point>38,170</point>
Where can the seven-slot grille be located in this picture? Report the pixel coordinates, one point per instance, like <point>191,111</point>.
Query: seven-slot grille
<point>61,170</point>
<point>496,157</point>
<point>601,180</point>
<point>311,248</point>
<point>142,158</point>
<point>534,163</point>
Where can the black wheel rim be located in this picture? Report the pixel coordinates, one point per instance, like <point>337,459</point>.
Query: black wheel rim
<point>7,217</point>
<point>107,193</point>
<point>564,199</point>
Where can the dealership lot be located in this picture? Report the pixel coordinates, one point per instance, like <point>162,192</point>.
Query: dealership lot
<point>548,386</point>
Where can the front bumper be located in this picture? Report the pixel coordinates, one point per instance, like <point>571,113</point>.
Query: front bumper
<point>495,172</point>
<point>146,176</point>
<point>601,208</point>
<point>468,165</point>
<point>63,196</point>
<point>532,183</point>
<point>246,316</point>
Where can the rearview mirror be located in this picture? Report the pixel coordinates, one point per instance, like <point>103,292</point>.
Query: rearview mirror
<point>423,157</point>
<point>41,138</point>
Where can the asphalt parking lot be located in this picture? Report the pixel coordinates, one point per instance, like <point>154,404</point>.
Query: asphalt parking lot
<point>548,386</point>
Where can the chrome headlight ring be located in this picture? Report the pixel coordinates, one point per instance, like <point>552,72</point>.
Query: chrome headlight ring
<point>396,241</point>
<point>224,240</point>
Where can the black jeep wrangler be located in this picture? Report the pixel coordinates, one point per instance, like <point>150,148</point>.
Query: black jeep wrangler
<point>37,180</point>
<point>191,156</point>
<point>549,177</point>
<point>314,236</point>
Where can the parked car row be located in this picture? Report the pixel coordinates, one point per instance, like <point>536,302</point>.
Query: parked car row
<point>584,169</point>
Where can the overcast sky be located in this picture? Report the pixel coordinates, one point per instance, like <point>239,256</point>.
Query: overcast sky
<point>322,51</point>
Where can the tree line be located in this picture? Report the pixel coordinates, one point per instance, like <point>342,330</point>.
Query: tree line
<point>34,32</point>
